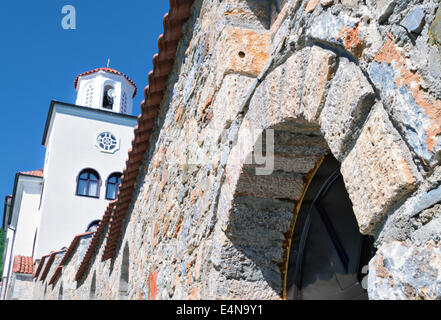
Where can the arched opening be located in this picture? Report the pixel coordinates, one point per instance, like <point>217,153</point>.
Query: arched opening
<point>109,97</point>
<point>112,186</point>
<point>93,226</point>
<point>313,105</point>
<point>265,226</point>
<point>123,292</point>
<point>88,99</point>
<point>88,184</point>
<point>92,293</point>
<point>329,256</point>
<point>60,293</point>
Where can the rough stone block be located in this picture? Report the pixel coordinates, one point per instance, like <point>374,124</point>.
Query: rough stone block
<point>435,28</point>
<point>242,51</point>
<point>318,73</point>
<point>310,6</point>
<point>384,9</point>
<point>228,100</point>
<point>253,13</point>
<point>378,172</point>
<point>291,87</point>
<point>403,271</point>
<point>414,109</point>
<point>326,3</point>
<point>278,97</point>
<point>347,105</point>
<point>276,186</point>
<point>414,21</point>
<point>350,3</point>
<point>330,28</point>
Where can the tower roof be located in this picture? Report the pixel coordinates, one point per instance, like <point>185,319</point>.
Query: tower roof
<point>36,173</point>
<point>106,70</point>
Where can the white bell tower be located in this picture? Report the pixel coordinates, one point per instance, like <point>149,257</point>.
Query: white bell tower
<point>106,89</point>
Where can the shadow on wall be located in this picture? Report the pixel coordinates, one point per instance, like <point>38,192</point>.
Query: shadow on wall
<point>262,10</point>
<point>262,215</point>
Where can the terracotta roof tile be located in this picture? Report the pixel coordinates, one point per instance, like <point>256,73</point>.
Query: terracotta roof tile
<point>49,264</point>
<point>106,70</point>
<point>163,62</point>
<point>95,239</point>
<point>68,254</point>
<point>40,265</point>
<point>36,173</point>
<point>153,94</point>
<point>23,265</point>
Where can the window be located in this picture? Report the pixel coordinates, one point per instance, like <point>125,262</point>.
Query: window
<point>89,96</point>
<point>93,226</point>
<point>109,97</point>
<point>124,103</point>
<point>88,183</point>
<point>113,186</point>
<point>107,142</point>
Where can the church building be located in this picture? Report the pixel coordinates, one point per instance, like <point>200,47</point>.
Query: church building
<point>86,149</point>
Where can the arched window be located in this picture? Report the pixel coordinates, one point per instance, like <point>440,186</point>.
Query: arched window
<point>93,226</point>
<point>113,186</point>
<point>88,183</point>
<point>109,97</point>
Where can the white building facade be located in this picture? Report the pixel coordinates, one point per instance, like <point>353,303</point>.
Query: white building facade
<point>86,148</point>
<point>20,222</point>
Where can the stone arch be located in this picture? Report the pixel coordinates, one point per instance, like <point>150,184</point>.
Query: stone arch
<point>314,103</point>
<point>123,290</point>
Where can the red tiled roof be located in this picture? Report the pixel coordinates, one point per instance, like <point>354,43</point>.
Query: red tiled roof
<point>96,237</point>
<point>40,265</point>
<point>36,173</point>
<point>23,265</point>
<point>163,61</point>
<point>49,263</point>
<point>68,253</point>
<point>106,70</point>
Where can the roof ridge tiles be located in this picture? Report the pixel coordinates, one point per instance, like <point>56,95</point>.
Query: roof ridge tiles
<point>163,61</point>
<point>110,70</point>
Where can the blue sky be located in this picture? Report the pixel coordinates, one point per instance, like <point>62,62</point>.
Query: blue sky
<point>39,61</point>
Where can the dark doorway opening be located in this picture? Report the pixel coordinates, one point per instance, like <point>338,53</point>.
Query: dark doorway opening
<point>328,256</point>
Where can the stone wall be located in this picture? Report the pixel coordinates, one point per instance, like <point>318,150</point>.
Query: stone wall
<point>359,79</point>
<point>21,287</point>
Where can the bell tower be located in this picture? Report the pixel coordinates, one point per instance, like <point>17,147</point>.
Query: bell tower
<point>105,89</point>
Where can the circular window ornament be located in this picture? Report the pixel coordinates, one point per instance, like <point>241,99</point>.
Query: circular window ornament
<point>107,142</point>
